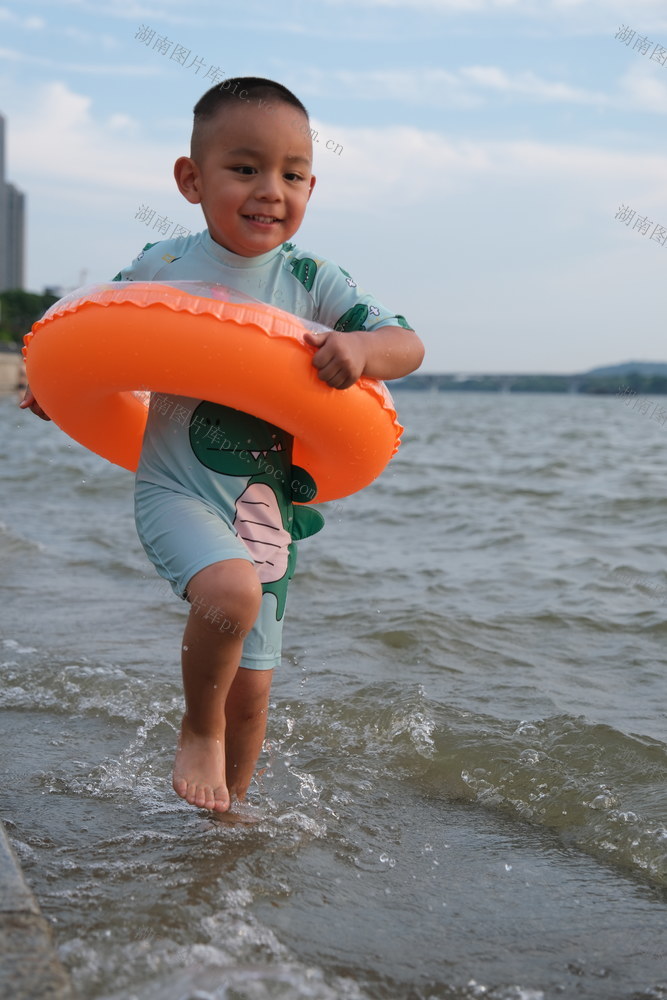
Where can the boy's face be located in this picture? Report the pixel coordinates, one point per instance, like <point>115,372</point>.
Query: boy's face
<point>252,175</point>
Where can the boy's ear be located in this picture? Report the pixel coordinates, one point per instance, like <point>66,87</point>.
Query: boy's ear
<point>186,173</point>
<point>312,185</point>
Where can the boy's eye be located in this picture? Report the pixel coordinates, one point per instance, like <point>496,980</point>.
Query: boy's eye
<point>293,177</point>
<point>244,169</point>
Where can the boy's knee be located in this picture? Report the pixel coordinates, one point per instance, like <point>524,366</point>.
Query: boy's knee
<point>227,596</point>
<point>247,589</point>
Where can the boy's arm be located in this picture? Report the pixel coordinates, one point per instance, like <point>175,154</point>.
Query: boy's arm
<point>386,353</point>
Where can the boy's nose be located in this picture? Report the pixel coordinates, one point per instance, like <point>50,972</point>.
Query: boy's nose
<point>268,187</point>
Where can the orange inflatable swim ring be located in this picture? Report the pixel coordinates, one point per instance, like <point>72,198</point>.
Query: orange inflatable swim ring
<point>95,356</point>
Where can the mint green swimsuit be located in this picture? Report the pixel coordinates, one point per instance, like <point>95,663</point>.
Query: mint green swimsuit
<point>213,483</point>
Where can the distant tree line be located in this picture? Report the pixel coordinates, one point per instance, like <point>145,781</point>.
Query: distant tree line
<point>644,385</point>
<point>602,385</point>
<point>19,310</point>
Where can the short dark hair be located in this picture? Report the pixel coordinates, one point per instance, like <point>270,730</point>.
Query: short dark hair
<point>251,87</point>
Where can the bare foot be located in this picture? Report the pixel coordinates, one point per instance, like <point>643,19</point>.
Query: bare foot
<point>199,770</point>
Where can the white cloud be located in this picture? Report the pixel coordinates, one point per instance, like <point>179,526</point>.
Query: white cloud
<point>29,23</point>
<point>424,86</point>
<point>537,7</point>
<point>380,165</point>
<point>565,17</point>
<point>642,88</point>
<point>167,11</point>
<point>59,140</point>
<point>529,85</point>
<point>377,167</point>
<point>92,69</point>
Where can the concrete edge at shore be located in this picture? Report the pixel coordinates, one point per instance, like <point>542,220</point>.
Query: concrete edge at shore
<point>29,966</point>
<point>12,371</point>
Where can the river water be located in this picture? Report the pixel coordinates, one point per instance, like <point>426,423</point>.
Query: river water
<point>463,790</point>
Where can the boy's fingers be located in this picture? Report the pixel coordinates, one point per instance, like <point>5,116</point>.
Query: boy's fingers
<point>29,402</point>
<point>315,339</point>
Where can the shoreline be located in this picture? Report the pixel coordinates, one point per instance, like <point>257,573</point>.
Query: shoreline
<point>29,966</point>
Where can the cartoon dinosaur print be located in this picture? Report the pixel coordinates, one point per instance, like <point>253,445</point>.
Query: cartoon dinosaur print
<point>305,269</point>
<point>233,443</point>
<point>353,319</point>
<point>349,280</point>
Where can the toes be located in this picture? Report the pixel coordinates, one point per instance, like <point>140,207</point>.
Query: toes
<point>194,794</point>
<point>180,786</point>
<point>221,801</point>
<point>201,796</point>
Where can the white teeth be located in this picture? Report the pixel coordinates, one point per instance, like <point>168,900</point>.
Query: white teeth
<point>264,218</point>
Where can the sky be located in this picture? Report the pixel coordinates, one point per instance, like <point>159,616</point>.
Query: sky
<point>494,170</point>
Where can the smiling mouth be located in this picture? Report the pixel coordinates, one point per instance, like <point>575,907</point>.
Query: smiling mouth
<point>263,218</point>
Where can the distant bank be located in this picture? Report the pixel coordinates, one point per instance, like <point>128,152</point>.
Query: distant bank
<point>11,370</point>
<point>641,377</point>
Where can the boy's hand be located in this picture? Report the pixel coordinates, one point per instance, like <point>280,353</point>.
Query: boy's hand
<point>29,402</point>
<point>340,357</point>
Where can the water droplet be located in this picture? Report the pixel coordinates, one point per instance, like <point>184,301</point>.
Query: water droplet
<point>186,648</point>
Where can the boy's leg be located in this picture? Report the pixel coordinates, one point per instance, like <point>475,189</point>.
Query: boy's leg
<point>225,599</point>
<point>246,711</point>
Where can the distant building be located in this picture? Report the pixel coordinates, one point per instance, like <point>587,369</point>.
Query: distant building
<point>12,227</point>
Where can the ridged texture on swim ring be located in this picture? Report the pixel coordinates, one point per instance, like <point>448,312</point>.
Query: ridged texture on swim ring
<point>93,355</point>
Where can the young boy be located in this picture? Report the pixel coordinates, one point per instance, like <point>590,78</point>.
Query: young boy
<point>207,522</point>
